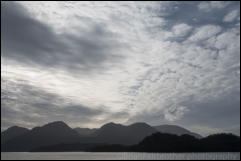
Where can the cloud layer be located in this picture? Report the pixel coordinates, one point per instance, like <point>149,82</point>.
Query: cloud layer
<point>89,63</point>
<point>32,42</point>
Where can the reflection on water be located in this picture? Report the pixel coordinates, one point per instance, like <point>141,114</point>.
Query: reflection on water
<point>120,156</point>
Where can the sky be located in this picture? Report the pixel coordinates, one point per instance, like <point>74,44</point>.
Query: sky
<point>90,63</point>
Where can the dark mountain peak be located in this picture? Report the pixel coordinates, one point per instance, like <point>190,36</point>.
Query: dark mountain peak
<point>111,125</point>
<point>13,127</point>
<point>12,132</point>
<point>117,133</point>
<point>49,134</point>
<point>56,124</point>
<point>16,128</point>
<point>54,128</point>
<point>115,125</point>
<point>222,136</point>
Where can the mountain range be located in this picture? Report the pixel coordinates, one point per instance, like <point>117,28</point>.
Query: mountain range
<point>172,129</point>
<point>17,139</point>
<point>12,132</point>
<point>163,142</point>
<point>49,134</point>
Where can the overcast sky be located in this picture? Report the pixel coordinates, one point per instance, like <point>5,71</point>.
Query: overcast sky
<point>90,63</point>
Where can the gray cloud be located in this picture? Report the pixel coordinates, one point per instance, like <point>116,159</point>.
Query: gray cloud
<point>231,16</point>
<point>191,14</point>
<point>25,105</point>
<point>27,40</point>
<point>213,116</point>
<point>225,110</point>
<point>22,103</point>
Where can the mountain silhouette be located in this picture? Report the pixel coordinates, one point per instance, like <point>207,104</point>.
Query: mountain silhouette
<point>60,137</point>
<point>60,133</point>
<point>173,129</point>
<point>12,132</point>
<point>163,142</point>
<point>110,133</point>
<point>119,134</point>
<point>222,142</point>
<point>49,134</point>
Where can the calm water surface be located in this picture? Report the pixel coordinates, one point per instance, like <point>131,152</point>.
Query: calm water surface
<point>120,156</point>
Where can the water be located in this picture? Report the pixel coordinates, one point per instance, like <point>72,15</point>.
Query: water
<point>119,156</point>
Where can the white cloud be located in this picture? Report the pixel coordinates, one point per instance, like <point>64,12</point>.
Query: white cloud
<point>231,16</point>
<point>222,41</point>
<point>204,32</point>
<point>181,30</point>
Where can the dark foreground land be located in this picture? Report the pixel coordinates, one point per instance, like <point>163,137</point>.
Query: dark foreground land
<point>159,142</point>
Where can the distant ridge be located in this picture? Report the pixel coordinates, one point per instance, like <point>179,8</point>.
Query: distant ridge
<point>17,139</point>
<point>174,129</point>
<point>49,134</point>
<point>121,134</point>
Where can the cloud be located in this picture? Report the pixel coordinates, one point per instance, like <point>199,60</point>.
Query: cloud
<point>25,105</point>
<point>32,104</point>
<point>206,113</point>
<point>222,41</point>
<point>29,41</point>
<point>231,16</point>
<point>205,32</point>
<point>209,6</point>
<point>181,30</point>
<point>175,113</point>
<point>186,73</point>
